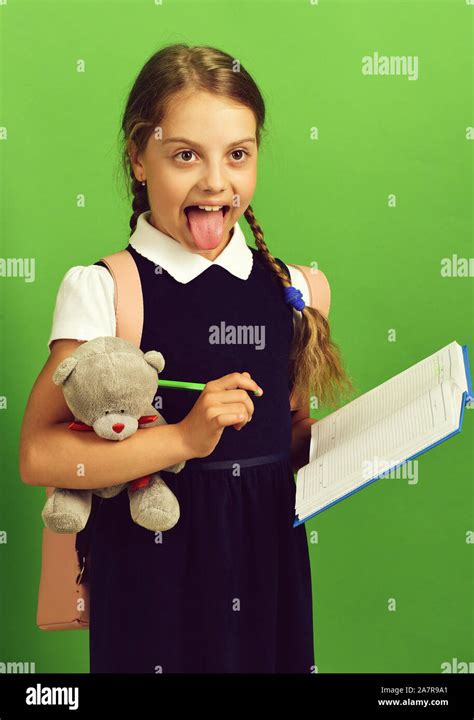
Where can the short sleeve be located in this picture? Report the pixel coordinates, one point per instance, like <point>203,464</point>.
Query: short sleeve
<point>84,305</point>
<point>298,280</point>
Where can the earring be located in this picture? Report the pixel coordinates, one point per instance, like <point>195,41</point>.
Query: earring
<point>144,182</point>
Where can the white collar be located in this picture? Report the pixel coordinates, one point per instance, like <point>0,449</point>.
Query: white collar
<point>182,264</point>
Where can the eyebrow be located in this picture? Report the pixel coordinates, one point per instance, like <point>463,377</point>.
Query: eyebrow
<point>195,144</point>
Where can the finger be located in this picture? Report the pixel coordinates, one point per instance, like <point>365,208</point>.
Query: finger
<point>226,419</point>
<point>240,425</point>
<point>237,410</point>
<point>235,380</point>
<point>234,396</point>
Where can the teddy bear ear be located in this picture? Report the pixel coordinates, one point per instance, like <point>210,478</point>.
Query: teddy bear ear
<point>155,359</point>
<point>64,369</point>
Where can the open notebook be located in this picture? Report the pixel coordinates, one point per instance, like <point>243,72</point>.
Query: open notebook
<point>383,428</point>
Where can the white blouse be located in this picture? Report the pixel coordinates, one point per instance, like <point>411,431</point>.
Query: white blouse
<point>85,300</point>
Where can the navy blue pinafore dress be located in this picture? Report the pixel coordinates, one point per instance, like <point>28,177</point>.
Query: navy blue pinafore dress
<point>228,588</point>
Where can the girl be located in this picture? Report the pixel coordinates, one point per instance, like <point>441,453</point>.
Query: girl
<point>227,589</point>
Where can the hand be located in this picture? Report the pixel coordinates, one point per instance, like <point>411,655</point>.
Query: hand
<point>222,402</point>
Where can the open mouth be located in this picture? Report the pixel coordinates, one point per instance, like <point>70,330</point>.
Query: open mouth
<point>206,226</point>
<point>225,209</point>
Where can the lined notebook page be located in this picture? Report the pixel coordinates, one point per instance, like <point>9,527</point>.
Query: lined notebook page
<point>387,424</point>
<point>384,400</point>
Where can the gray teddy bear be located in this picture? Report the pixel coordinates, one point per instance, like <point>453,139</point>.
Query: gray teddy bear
<point>109,385</point>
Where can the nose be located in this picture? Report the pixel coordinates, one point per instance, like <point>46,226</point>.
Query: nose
<point>118,427</point>
<point>213,179</point>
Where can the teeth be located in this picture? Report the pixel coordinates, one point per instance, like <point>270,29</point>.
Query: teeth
<point>210,208</point>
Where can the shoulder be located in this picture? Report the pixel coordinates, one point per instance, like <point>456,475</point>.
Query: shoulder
<point>91,276</point>
<point>314,286</point>
<point>86,284</point>
<point>84,306</point>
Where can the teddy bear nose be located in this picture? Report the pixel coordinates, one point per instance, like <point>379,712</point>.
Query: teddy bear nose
<point>118,427</point>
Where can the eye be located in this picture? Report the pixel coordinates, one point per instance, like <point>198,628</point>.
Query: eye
<point>183,152</point>
<point>122,411</point>
<point>240,150</point>
<point>107,412</point>
<point>187,153</point>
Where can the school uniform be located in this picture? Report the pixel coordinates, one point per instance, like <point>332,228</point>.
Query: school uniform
<point>228,588</point>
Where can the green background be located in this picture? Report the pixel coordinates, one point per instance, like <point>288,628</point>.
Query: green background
<point>321,201</point>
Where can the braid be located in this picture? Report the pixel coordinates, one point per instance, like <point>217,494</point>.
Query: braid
<point>316,365</point>
<point>139,202</point>
<point>262,246</point>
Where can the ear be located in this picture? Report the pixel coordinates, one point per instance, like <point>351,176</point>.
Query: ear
<point>64,369</point>
<point>155,359</point>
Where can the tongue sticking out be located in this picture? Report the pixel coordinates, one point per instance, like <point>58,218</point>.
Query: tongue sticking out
<point>206,227</point>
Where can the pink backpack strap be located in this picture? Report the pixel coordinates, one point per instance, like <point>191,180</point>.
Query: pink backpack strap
<point>61,584</point>
<point>310,277</point>
<point>128,297</point>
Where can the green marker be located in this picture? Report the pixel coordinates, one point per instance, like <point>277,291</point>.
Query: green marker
<point>189,385</point>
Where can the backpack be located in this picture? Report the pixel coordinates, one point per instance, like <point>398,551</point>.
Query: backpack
<point>63,597</point>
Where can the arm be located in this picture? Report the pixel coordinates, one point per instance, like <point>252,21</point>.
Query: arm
<point>50,453</point>
<point>301,422</point>
<point>300,440</point>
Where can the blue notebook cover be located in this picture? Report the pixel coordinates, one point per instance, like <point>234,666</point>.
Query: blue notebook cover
<point>467,399</point>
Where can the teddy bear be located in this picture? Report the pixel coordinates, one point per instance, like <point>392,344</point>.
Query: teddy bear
<point>109,385</point>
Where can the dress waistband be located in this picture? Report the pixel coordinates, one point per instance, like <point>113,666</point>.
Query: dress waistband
<point>202,464</point>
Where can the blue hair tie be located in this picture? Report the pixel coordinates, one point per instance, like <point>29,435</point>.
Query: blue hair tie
<point>294,297</point>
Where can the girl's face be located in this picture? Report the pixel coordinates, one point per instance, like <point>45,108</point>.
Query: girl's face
<point>206,154</point>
